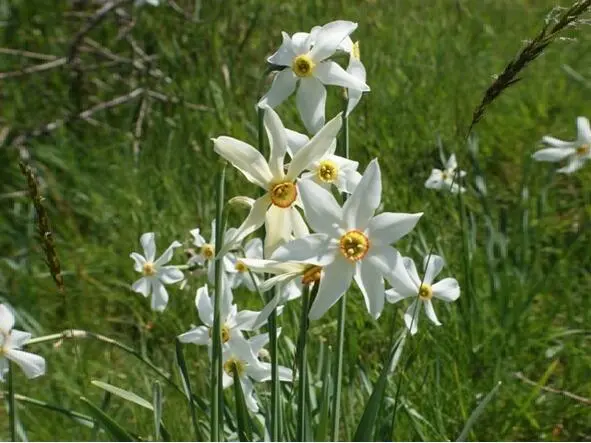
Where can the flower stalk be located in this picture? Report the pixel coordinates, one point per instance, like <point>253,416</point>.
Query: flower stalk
<point>11,404</point>
<point>302,363</point>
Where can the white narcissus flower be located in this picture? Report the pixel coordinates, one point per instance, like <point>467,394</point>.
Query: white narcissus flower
<point>407,283</point>
<point>306,60</point>
<point>242,357</point>
<point>447,178</point>
<point>11,340</point>
<point>253,249</point>
<point>328,170</point>
<point>232,321</point>
<point>156,275</point>
<point>576,152</point>
<point>357,70</point>
<point>277,207</point>
<point>350,242</point>
<point>206,253</point>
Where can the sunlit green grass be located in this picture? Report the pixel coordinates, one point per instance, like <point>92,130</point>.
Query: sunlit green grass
<point>524,307</point>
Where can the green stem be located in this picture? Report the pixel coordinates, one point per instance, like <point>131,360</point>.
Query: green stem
<point>11,403</point>
<point>217,398</point>
<point>303,363</point>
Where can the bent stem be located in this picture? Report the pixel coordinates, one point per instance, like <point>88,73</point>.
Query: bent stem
<point>217,398</point>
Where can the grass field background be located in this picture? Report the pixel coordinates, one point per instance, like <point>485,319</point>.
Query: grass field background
<point>522,258</point>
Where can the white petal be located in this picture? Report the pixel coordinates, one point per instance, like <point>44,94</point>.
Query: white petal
<point>361,205</point>
<point>431,312</point>
<point>553,154</point>
<point>447,289</point>
<point>149,245</point>
<point>198,335</point>
<point>277,142</point>
<point>254,248</point>
<point>285,54</point>
<point>142,286</point>
<point>394,297</point>
<point>258,342</point>
<point>204,306</point>
<point>249,395</point>
<point>3,368</point>
<point>138,261</point>
<point>370,281</point>
<point>311,100</point>
<point>411,268</point>
<point>249,320</point>
<point>574,164</point>
<point>277,228</point>
<point>272,266</point>
<point>314,150</point>
<point>347,180</point>
<point>392,266</point>
<point>328,38</point>
<point>299,227</point>
<point>6,319</point>
<point>435,180</point>
<point>557,143</point>
<point>583,130</point>
<point>159,296</point>
<point>411,316</point>
<point>301,42</point>
<point>295,141</point>
<point>354,96</point>
<point>167,255</point>
<point>253,221</point>
<point>32,365</point>
<point>282,87</point>
<point>336,279</point>
<point>357,70</point>
<point>331,73</point>
<point>389,227</point>
<point>315,249</point>
<point>198,240</point>
<point>451,163</point>
<point>277,280</point>
<point>245,158</point>
<point>322,210</point>
<point>432,264</point>
<point>19,338</point>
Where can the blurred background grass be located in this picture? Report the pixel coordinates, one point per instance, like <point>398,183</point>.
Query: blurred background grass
<point>525,303</point>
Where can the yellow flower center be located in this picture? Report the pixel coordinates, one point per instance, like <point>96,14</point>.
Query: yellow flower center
<point>240,266</point>
<point>303,65</point>
<point>283,194</point>
<point>149,269</point>
<point>311,275</point>
<point>355,51</point>
<point>234,363</point>
<point>327,171</point>
<point>225,333</point>
<point>354,245</point>
<point>208,251</point>
<point>584,149</point>
<point>444,175</point>
<point>425,292</point>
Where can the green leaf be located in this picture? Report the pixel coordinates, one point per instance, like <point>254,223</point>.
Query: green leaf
<point>180,359</point>
<point>114,428</point>
<point>372,408</point>
<point>244,429</point>
<point>478,412</point>
<point>324,419</point>
<point>157,408</point>
<point>122,393</point>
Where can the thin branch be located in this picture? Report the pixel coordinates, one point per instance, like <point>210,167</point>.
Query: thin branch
<point>33,69</point>
<point>576,397</point>
<point>28,54</point>
<point>175,100</point>
<point>144,106</point>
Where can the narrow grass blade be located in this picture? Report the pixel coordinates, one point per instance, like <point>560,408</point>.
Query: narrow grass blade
<point>157,407</point>
<point>104,405</point>
<point>180,359</point>
<point>110,425</point>
<point>122,393</point>
<point>83,419</point>
<point>11,404</point>
<point>372,408</point>
<point>243,419</point>
<point>477,413</point>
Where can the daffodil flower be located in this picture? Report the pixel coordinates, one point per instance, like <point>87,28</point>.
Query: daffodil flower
<point>407,283</point>
<point>447,178</point>
<point>576,152</point>
<point>11,340</point>
<point>306,61</point>
<point>350,243</point>
<point>253,249</point>
<point>155,274</point>
<point>233,322</point>
<point>277,207</point>
<point>242,358</point>
<point>206,253</point>
<point>330,169</point>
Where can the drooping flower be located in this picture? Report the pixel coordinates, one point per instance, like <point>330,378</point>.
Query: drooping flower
<point>155,274</point>
<point>407,283</point>
<point>233,322</point>
<point>11,340</point>
<point>242,358</point>
<point>253,249</point>
<point>306,60</point>
<point>330,169</point>
<point>350,243</point>
<point>448,178</point>
<point>206,253</point>
<point>277,207</point>
<point>576,153</point>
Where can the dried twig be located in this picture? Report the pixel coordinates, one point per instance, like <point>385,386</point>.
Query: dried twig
<point>139,123</point>
<point>576,397</point>
<point>528,54</point>
<point>28,54</point>
<point>33,69</point>
<point>43,228</point>
<point>176,101</point>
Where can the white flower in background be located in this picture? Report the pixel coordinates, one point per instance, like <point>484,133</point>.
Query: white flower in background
<point>156,275</point>
<point>206,253</point>
<point>407,283</point>
<point>277,207</point>
<point>328,170</point>
<point>242,358</point>
<point>253,249</point>
<point>576,153</point>
<point>232,321</point>
<point>350,242</point>
<point>149,2</point>
<point>10,341</point>
<point>447,178</point>
<point>306,61</point>
<point>357,70</point>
